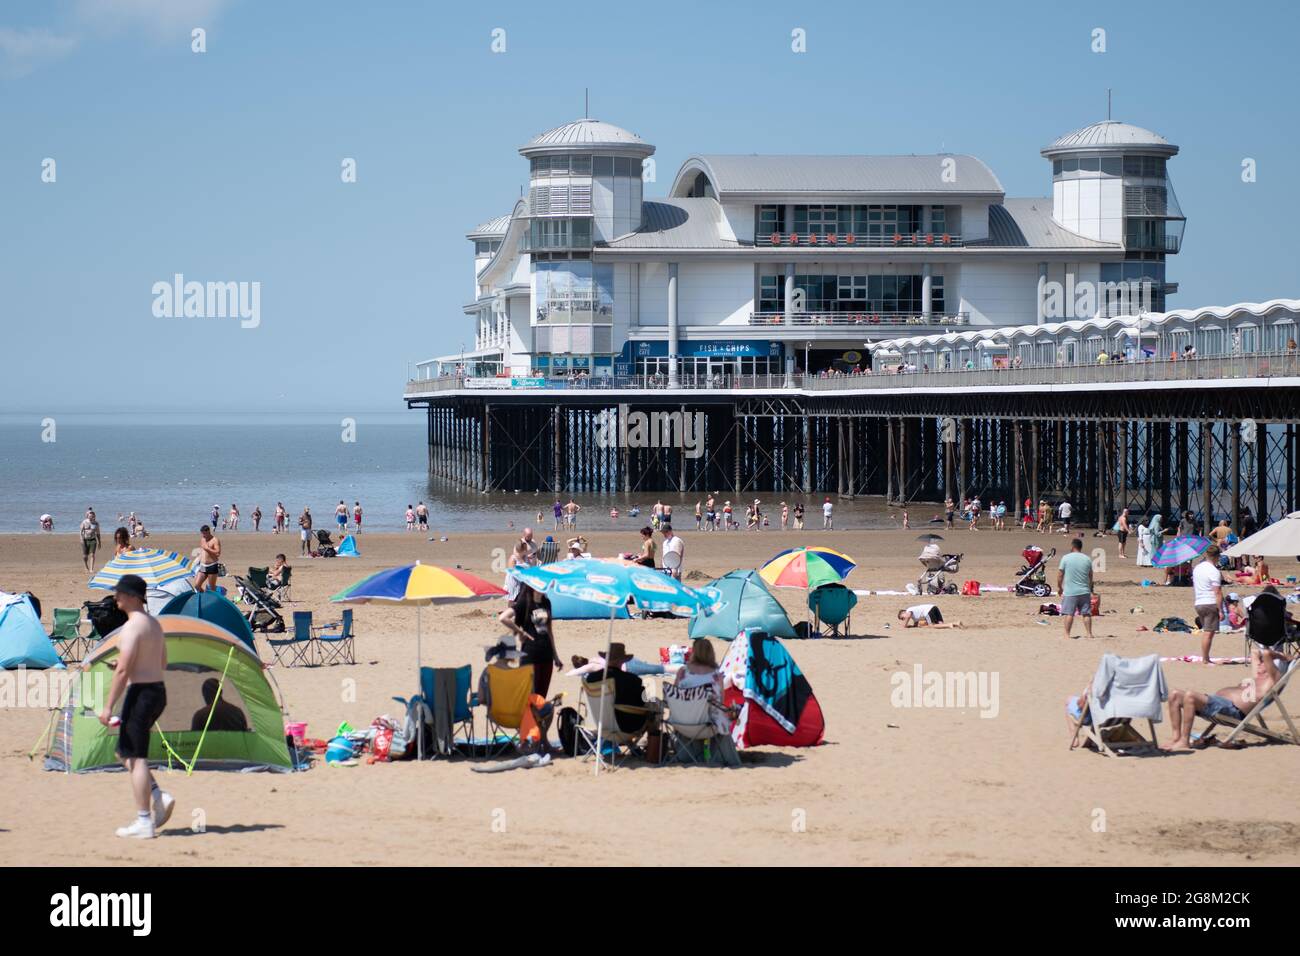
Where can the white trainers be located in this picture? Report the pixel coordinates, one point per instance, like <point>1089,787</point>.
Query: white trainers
<point>163,804</point>
<point>139,830</point>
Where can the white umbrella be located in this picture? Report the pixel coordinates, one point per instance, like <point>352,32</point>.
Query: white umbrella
<point>1280,539</point>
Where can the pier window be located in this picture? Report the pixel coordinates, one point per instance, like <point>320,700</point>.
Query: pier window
<point>771,219</point>
<point>771,294</point>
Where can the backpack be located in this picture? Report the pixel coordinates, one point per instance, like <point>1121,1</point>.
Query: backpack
<point>970,589</point>
<point>571,742</point>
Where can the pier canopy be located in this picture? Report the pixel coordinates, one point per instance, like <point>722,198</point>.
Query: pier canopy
<point>1244,328</point>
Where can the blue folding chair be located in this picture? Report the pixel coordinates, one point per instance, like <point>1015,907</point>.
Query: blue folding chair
<point>335,648</point>
<point>832,604</point>
<point>298,649</point>
<point>423,704</point>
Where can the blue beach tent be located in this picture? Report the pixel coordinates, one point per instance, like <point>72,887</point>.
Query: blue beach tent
<point>214,608</point>
<point>749,604</point>
<point>348,548</point>
<point>23,642</point>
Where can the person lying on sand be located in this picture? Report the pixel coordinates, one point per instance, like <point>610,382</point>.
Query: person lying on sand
<point>925,615</point>
<point>1232,702</point>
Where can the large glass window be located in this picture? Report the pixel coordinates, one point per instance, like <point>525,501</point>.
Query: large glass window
<point>771,294</point>
<point>770,219</point>
<point>863,220</point>
<point>574,291</point>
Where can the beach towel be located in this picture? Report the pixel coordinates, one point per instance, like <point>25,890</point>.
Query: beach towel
<point>1132,687</point>
<point>1196,659</point>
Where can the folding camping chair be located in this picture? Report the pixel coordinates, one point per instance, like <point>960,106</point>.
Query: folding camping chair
<point>1254,723</point>
<point>66,635</point>
<point>1266,623</point>
<point>599,705</point>
<point>548,552</point>
<point>298,648</point>
<point>257,577</point>
<point>690,719</point>
<point>831,604</point>
<point>461,714</point>
<point>281,592</point>
<point>505,693</point>
<point>333,648</point>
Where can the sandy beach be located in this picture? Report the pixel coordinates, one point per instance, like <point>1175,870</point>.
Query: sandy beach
<point>891,785</point>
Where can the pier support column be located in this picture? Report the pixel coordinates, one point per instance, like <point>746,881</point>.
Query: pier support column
<point>1234,519</point>
<point>889,464</point>
<point>1015,472</point>
<point>1101,459</point>
<point>963,462</point>
<point>1207,477</point>
<point>1033,465</point>
<point>1121,452</point>
<point>485,472</point>
<point>672,325</point>
<point>1261,473</point>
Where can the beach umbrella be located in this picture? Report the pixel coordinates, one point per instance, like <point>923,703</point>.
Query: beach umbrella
<point>417,584</point>
<point>1279,540</point>
<point>158,568</point>
<point>930,537</point>
<point>1180,550</point>
<point>749,605</point>
<point>807,568</point>
<point>613,585</point>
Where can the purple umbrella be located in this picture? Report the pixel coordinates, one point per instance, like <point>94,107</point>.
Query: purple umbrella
<point>1180,550</point>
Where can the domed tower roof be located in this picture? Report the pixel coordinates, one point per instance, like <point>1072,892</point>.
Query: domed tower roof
<point>1109,136</point>
<point>587,134</point>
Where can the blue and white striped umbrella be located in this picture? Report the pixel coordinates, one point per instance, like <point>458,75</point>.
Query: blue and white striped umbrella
<point>156,567</point>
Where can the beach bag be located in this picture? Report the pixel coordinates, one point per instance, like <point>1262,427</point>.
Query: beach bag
<point>104,615</point>
<point>1096,605</point>
<point>970,589</point>
<point>571,742</point>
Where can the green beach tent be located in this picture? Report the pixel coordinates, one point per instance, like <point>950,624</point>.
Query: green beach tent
<point>749,604</point>
<point>243,730</point>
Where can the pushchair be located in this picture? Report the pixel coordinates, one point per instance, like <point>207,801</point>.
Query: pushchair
<point>1033,574</point>
<point>324,545</point>
<point>263,612</point>
<point>933,579</point>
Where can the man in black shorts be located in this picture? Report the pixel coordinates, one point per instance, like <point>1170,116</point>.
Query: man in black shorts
<point>141,663</point>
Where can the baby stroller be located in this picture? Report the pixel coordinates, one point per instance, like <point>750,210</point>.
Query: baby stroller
<point>324,545</point>
<point>1033,575</point>
<point>933,579</point>
<point>263,612</point>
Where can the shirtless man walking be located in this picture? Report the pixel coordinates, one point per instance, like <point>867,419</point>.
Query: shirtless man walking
<point>1233,702</point>
<point>209,560</point>
<point>141,661</point>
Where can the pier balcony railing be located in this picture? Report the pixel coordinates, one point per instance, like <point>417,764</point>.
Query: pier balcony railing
<point>852,240</point>
<point>1256,365</point>
<point>858,319</point>
<point>1284,364</point>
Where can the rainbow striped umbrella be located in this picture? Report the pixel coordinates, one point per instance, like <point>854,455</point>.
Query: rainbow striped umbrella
<point>155,566</point>
<point>807,568</point>
<point>417,584</point>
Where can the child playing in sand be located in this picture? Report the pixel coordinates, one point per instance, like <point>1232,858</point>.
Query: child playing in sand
<point>925,615</point>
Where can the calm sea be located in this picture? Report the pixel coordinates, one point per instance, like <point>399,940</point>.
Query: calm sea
<point>172,474</point>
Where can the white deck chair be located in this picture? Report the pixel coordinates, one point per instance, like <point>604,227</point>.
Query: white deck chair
<point>1116,736</point>
<point>1254,723</point>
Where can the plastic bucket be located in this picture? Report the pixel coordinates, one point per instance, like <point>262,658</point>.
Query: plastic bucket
<point>297,730</point>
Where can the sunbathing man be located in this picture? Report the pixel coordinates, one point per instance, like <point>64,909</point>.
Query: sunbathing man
<point>1232,702</point>
<point>925,615</point>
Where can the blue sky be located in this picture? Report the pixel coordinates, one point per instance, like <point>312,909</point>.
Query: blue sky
<point>226,165</point>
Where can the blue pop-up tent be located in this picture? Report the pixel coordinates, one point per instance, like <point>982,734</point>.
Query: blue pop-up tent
<point>347,548</point>
<point>23,642</point>
<point>213,607</point>
<point>749,604</point>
